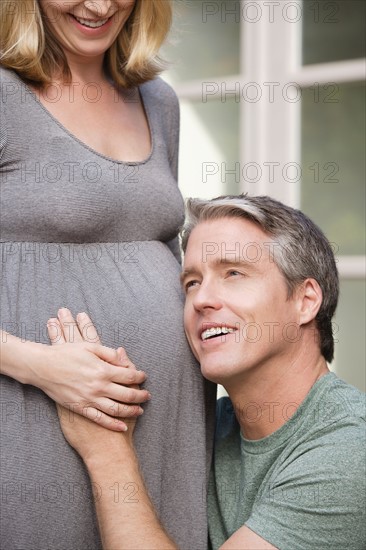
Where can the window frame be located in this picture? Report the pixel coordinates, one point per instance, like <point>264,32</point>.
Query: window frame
<point>260,142</point>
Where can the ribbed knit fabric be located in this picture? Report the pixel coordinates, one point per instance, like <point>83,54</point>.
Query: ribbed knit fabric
<point>86,232</point>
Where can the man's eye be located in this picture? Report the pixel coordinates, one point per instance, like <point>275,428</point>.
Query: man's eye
<point>233,272</point>
<point>190,284</point>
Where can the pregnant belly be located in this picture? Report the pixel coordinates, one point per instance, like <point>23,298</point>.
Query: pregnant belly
<point>132,293</point>
<point>130,290</point>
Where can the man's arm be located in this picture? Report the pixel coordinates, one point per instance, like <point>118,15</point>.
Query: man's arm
<point>126,516</point>
<point>125,513</point>
<point>245,539</point>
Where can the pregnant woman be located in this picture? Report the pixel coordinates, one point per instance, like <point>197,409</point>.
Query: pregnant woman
<point>90,212</point>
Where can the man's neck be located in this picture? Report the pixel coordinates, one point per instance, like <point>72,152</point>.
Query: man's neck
<point>264,400</point>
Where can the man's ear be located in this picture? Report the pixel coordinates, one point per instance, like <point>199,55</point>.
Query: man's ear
<point>310,298</point>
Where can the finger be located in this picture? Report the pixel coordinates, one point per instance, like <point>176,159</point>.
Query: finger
<point>123,394</point>
<point>69,415</point>
<point>113,423</point>
<point>124,360</point>
<point>55,332</point>
<point>87,329</point>
<point>121,359</point>
<point>102,419</point>
<point>106,406</point>
<point>112,408</point>
<point>123,410</point>
<point>110,355</point>
<point>69,326</point>
<point>127,377</point>
<point>113,358</point>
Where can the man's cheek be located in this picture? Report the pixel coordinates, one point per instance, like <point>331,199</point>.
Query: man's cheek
<point>186,321</point>
<point>191,342</point>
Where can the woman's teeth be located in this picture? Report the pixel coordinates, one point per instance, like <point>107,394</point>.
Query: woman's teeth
<point>91,24</point>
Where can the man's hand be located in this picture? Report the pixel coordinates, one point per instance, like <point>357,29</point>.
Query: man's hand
<point>110,458</point>
<point>91,441</point>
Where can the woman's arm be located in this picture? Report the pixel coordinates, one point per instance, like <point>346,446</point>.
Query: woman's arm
<point>87,378</point>
<point>126,516</point>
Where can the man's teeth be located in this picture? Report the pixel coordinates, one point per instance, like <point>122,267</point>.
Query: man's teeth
<point>215,331</point>
<point>92,24</point>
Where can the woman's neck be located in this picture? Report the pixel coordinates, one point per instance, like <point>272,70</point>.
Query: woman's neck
<point>86,71</point>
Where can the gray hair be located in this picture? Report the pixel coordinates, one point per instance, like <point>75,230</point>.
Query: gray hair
<point>302,251</point>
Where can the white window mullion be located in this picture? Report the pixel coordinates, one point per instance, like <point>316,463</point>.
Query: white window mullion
<point>271,125</point>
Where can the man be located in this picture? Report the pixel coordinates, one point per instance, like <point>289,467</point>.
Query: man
<point>288,471</point>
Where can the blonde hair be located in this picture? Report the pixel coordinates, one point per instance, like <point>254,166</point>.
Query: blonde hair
<point>28,46</point>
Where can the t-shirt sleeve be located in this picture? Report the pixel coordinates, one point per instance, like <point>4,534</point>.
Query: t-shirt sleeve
<point>317,499</point>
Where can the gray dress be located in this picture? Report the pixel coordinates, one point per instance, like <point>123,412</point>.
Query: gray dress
<point>81,230</point>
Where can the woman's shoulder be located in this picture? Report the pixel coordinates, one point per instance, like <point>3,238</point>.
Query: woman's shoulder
<point>159,91</point>
<point>7,75</point>
<point>7,78</point>
<point>10,84</point>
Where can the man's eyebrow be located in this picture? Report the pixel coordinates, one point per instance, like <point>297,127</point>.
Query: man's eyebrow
<point>217,262</point>
<point>187,273</point>
<point>247,264</point>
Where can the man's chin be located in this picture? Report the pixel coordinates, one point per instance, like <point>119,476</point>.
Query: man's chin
<point>212,372</point>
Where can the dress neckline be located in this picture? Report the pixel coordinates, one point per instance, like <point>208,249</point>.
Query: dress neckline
<point>85,145</point>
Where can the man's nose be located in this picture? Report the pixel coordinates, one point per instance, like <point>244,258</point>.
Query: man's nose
<point>207,296</point>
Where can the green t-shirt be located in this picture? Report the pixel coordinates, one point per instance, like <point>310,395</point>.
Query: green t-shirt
<point>302,487</point>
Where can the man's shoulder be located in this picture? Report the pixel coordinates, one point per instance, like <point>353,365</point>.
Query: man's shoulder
<point>329,436</point>
<point>333,409</point>
<point>319,476</point>
<point>337,406</point>
<point>353,399</point>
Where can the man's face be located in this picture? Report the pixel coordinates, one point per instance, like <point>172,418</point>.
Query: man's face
<point>233,287</point>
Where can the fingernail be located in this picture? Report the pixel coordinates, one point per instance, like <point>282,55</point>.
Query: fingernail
<point>63,311</point>
<point>149,395</point>
<point>81,316</point>
<point>51,322</point>
<point>141,411</point>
